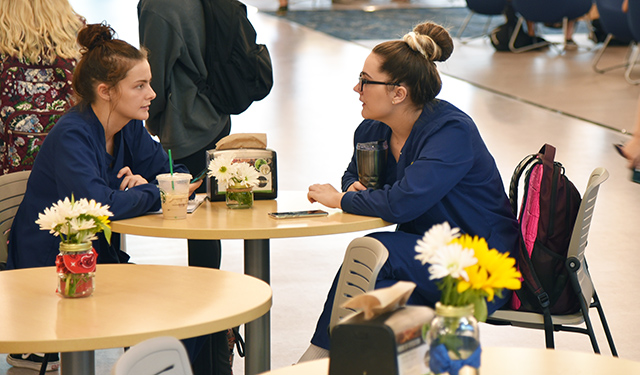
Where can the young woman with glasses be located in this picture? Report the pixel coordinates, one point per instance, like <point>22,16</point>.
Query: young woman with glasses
<point>438,167</point>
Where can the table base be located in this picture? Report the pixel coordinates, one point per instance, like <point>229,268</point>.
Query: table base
<point>78,363</point>
<point>258,332</point>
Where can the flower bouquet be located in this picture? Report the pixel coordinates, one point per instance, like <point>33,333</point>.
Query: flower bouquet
<point>76,223</point>
<point>468,275</point>
<point>238,180</point>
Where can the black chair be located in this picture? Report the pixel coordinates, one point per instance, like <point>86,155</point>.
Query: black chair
<point>633,17</point>
<point>487,8</point>
<point>615,23</point>
<point>546,11</point>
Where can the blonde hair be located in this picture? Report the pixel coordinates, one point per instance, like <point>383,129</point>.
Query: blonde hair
<point>39,30</point>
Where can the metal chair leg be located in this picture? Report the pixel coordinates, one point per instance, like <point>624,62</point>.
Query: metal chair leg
<point>605,325</point>
<point>631,64</point>
<point>465,23</point>
<point>514,35</point>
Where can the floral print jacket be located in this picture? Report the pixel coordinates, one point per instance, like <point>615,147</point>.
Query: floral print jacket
<point>32,98</point>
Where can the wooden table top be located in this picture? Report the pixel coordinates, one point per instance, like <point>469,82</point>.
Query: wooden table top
<point>510,361</point>
<point>131,303</point>
<point>213,220</point>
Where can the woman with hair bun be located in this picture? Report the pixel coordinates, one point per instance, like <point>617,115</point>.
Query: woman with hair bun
<point>38,53</point>
<point>98,150</point>
<point>438,168</point>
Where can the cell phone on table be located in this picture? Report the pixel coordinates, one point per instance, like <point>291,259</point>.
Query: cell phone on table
<point>200,175</point>
<point>618,147</point>
<point>295,214</point>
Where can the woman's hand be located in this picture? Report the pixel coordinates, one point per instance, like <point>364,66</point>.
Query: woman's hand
<point>325,194</point>
<point>357,186</point>
<point>631,151</point>
<point>130,180</point>
<point>194,186</point>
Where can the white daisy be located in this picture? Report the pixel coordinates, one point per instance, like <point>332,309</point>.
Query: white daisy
<point>93,208</point>
<point>222,169</point>
<point>438,236</point>
<point>77,221</point>
<point>451,260</point>
<point>246,174</point>
<point>79,224</point>
<point>50,220</point>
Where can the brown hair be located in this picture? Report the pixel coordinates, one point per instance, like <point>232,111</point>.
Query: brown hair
<point>411,61</point>
<point>104,60</point>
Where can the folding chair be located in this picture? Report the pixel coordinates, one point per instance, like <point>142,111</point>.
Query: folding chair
<point>12,188</point>
<point>580,278</point>
<point>160,355</point>
<point>362,262</point>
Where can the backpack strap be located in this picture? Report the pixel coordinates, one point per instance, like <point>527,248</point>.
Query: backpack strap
<point>522,167</point>
<point>543,299</point>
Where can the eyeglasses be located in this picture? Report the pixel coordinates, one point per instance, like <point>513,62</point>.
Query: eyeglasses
<point>363,81</point>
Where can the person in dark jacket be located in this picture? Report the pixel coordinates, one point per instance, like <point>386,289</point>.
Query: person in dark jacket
<point>438,168</point>
<point>183,118</point>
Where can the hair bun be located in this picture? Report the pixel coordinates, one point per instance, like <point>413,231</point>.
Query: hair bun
<point>431,40</point>
<point>423,44</point>
<point>94,35</point>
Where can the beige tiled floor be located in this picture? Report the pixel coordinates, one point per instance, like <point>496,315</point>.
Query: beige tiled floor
<point>310,116</point>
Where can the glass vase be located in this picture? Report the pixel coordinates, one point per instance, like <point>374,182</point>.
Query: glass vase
<point>239,197</point>
<point>76,266</point>
<point>454,341</point>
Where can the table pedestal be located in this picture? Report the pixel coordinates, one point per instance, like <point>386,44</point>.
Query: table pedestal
<point>258,332</point>
<point>74,363</point>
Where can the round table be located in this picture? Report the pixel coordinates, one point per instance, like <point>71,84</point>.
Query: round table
<point>131,303</point>
<point>509,361</point>
<point>214,221</point>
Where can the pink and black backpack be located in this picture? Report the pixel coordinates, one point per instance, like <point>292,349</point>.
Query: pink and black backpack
<point>550,205</point>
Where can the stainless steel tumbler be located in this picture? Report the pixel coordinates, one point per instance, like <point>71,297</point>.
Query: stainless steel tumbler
<point>371,159</point>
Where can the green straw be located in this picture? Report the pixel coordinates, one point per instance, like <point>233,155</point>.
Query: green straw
<point>171,170</point>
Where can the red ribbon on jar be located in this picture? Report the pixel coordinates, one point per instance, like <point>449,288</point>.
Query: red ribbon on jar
<point>77,262</point>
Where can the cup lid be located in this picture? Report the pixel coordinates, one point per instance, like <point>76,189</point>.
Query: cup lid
<point>176,176</point>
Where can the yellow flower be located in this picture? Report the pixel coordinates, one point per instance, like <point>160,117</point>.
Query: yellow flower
<point>494,271</point>
<point>486,273</point>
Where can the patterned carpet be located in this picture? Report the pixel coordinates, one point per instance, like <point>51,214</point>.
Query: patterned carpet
<point>391,23</point>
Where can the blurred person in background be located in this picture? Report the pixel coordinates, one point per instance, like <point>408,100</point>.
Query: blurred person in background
<point>38,53</point>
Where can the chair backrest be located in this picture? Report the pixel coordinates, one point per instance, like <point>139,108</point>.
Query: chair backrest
<point>633,18</point>
<point>487,7</point>
<point>12,188</point>
<point>551,10</point>
<point>362,262</point>
<point>614,20</point>
<point>160,355</point>
<point>581,228</point>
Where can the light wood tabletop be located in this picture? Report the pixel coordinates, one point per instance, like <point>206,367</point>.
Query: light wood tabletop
<point>214,221</point>
<point>510,361</point>
<point>131,303</point>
